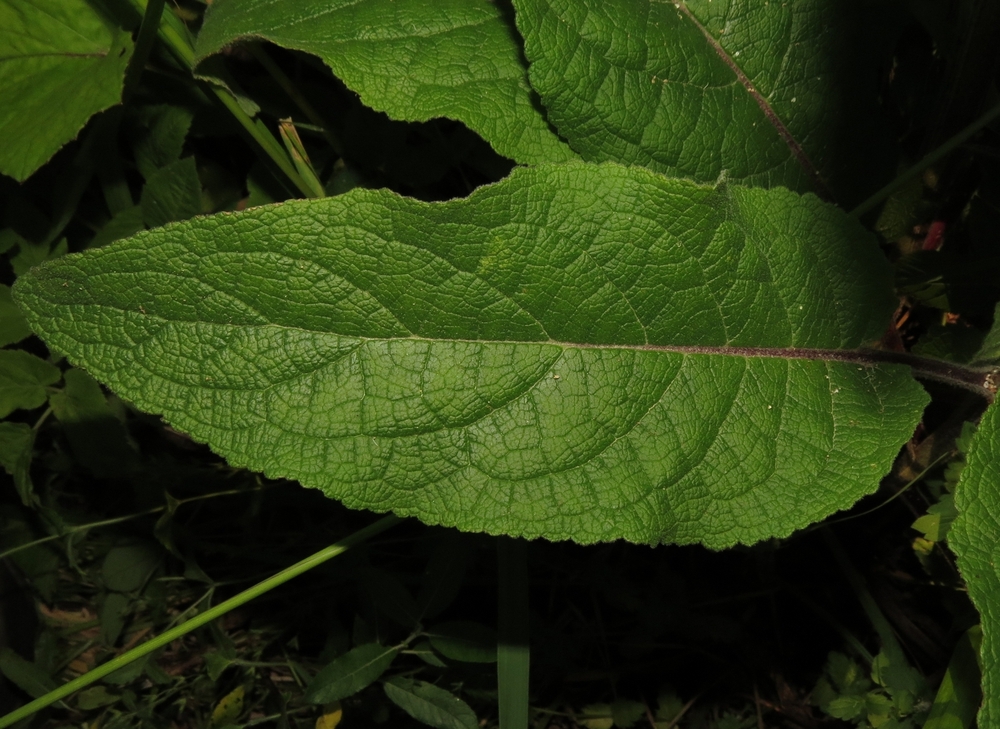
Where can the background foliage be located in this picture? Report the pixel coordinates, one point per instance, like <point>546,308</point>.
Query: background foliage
<point>116,526</point>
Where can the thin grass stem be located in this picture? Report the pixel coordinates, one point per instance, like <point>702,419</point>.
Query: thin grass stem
<point>208,616</point>
<point>929,161</point>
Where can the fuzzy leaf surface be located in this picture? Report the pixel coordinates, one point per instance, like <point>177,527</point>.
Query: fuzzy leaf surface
<point>585,352</point>
<point>416,61</point>
<point>765,93</point>
<point>60,63</point>
<point>973,538</point>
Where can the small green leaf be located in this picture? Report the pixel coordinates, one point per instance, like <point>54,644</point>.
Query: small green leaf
<point>586,352</point>
<point>160,137</point>
<point>596,716</point>
<point>172,193</point>
<point>350,673</point>
<point>24,674</point>
<point>31,254</point>
<point>216,664</point>
<point>60,63</point>
<point>95,698</point>
<point>127,568</point>
<point>989,351</point>
<point>112,614</point>
<point>16,443</point>
<point>125,223</point>
<point>847,707</point>
<point>429,704</point>
<point>972,537</point>
<point>13,327</point>
<point>754,92</point>
<point>938,519</point>
<point>23,379</point>
<point>895,676</point>
<point>465,641</point>
<point>417,60</point>
<point>391,598</point>
<point>879,707</point>
<point>425,652</point>
<point>626,712</point>
<point>127,673</point>
<point>959,696</point>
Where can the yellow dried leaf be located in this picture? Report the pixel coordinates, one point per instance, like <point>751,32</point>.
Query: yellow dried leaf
<point>229,708</point>
<point>331,717</point>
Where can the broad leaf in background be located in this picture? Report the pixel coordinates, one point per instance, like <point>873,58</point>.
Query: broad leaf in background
<point>23,378</point>
<point>973,537</point>
<point>60,63</point>
<point>415,61</point>
<point>764,93</point>
<point>172,193</point>
<point>95,435</point>
<point>16,443</point>
<point>13,327</point>
<point>584,352</point>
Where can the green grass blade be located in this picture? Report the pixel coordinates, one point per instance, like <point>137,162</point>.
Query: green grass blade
<point>208,616</point>
<point>512,647</point>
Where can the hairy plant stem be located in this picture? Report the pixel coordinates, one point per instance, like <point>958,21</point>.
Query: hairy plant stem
<point>931,159</point>
<point>208,616</point>
<point>173,33</point>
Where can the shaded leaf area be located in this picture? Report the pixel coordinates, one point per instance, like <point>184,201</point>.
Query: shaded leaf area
<point>755,92</point>
<point>415,61</point>
<point>63,62</point>
<point>519,361</point>
<point>350,673</point>
<point>429,704</point>
<point>978,503</point>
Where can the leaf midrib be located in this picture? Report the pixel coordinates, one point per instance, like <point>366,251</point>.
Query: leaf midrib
<point>822,189</point>
<point>860,355</point>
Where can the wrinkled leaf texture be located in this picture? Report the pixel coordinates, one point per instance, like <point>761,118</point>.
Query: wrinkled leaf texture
<point>762,93</point>
<point>973,537</point>
<point>523,361</point>
<point>414,60</point>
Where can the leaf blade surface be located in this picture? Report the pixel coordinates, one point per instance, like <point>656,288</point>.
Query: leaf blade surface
<point>61,64</point>
<point>762,93</point>
<point>415,61</point>
<point>579,352</point>
<point>973,538</point>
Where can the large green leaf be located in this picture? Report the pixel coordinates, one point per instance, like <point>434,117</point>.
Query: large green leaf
<point>973,537</point>
<point>414,60</point>
<point>581,352</point>
<point>60,63</point>
<point>764,93</point>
